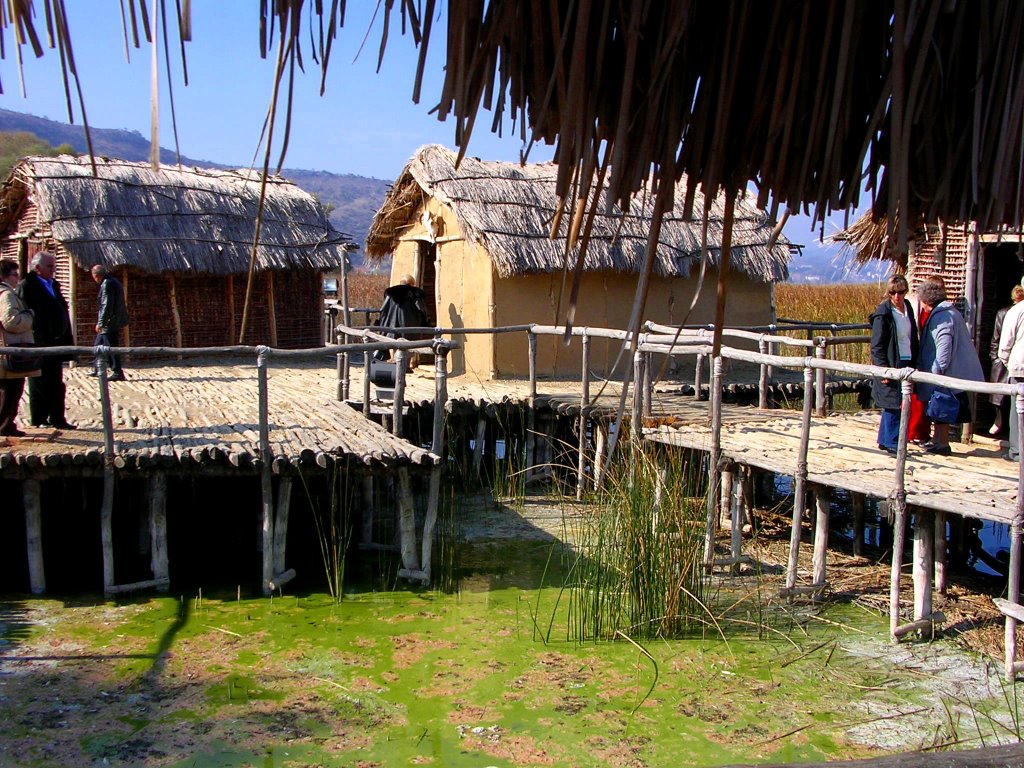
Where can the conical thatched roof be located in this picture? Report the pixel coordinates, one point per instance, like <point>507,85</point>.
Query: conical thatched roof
<point>507,209</point>
<point>173,219</point>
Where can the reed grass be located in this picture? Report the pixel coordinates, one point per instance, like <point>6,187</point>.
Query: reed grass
<point>838,303</point>
<point>637,568</point>
<point>333,519</point>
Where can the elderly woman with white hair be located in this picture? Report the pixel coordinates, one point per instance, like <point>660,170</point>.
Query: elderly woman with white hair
<point>946,349</point>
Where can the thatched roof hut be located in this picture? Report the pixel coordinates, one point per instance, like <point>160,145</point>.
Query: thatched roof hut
<point>477,237</point>
<point>507,209</point>
<point>171,233</point>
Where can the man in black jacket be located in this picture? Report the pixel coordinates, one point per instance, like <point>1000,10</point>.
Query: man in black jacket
<point>113,316</point>
<point>51,328</point>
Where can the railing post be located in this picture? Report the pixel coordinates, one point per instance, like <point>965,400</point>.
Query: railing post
<point>1013,585</point>
<point>714,459</point>
<point>635,423</point>
<point>440,398</point>
<point>819,379</point>
<point>648,401</point>
<point>266,486</point>
<point>367,365</point>
<point>531,409</point>
<point>898,507</point>
<point>800,482</point>
<point>698,367</point>
<point>762,381</point>
<point>398,404</point>
<point>582,424</point>
<point>107,505</point>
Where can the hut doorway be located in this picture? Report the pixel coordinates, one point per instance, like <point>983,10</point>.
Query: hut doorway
<point>426,277</point>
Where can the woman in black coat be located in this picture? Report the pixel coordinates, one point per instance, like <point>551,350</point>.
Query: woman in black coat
<point>894,343</point>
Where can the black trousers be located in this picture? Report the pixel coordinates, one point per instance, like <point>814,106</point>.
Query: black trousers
<point>46,393</point>
<point>10,396</point>
<point>111,338</point>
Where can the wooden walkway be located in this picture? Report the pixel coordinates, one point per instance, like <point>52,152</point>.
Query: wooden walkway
<point>974,481</point>
<point>196,413</point>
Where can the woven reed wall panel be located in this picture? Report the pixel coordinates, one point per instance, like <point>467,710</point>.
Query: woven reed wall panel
<point>926,260</point>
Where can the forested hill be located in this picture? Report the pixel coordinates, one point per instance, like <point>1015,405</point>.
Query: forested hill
<point>355,199</point>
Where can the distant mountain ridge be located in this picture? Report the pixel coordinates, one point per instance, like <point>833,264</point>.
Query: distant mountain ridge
<point>355,199</point>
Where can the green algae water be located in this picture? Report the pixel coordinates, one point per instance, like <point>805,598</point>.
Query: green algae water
<point>486,671</point>
<point>478,676</point>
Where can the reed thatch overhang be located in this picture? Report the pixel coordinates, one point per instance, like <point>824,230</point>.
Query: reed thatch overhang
<point>507,209</point>
<point>173,219</point>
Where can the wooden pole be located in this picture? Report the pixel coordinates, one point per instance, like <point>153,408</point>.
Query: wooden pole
<point>697,372</point>
<point>582,423</point>
<point>800,482</point>
<point>857,499</point>
<point>367,368</point>
<point>725,500</point>
<point>266,486</point>
<point>107,505</point>
<point>898,508</point>
<point>284,500</point>
<point>34,535</point>
<point>714,459</point>
<point>736,521</point>
<point>437,447</point>
<point>924,564</point>
<point>648,398</point>
<point>635,419</point>
<point>819,383</point>
<point>600,444</point>
<point>271,310</point>
<point>478,444</point>
<point>407,522</point>
<point>531,407</point>
<point>822,497</point>
<point>398,404</point>
<point>1016,529</point>
<point>158,530</point>
<point>762,381</point>
<point>940,553</point>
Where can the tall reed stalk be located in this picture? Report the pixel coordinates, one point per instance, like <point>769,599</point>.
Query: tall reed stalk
<point>333,519</point>
<point>637,567</point>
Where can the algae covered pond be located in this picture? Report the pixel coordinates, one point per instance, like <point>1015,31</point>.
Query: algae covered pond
<point>478,675</point>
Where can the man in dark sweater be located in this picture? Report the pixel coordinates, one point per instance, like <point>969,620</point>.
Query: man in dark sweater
<point>113,316</point>
<point>51,328</point>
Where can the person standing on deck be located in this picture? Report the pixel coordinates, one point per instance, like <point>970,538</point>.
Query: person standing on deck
<point>1011,353</point>
<point>51,328</point>
<point>113,316</point>
<point>946,349</point>
<point>999,374</point>
<point>15,328</point>
<point>403,307</point>
<point>893,345</point>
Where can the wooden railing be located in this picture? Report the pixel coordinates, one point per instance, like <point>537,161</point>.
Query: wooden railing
<point>272,577</point>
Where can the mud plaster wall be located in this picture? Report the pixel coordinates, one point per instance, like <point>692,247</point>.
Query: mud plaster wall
<point>606,299</point>
<point>464,287</point>
<point>467,286</point>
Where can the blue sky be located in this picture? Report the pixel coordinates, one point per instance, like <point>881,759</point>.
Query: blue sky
<point>365,124</point>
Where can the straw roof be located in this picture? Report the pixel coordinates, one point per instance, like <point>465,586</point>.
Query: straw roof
<point>507,209</point>
<point>173,219</point>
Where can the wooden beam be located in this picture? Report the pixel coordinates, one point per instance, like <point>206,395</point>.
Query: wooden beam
<point>822,499</point>
<point>714,472</point>
<point>407,522</point>
<point>158,528</point>
<point>284,500</point>
<point>800,484</point>
<point>34,535</point>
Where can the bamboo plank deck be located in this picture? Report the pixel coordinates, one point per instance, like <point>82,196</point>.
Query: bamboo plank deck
<point>975,481</point>
<point>203,413</point>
